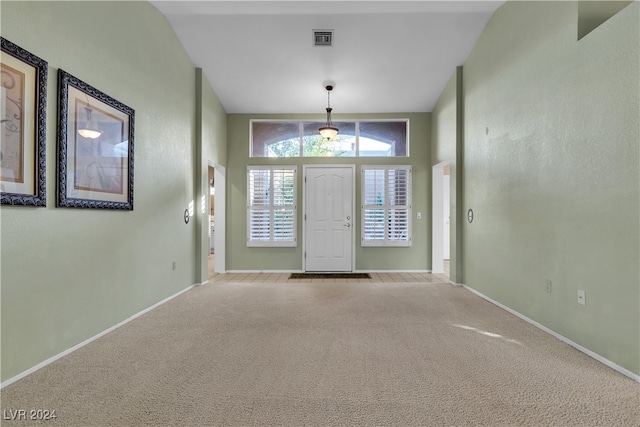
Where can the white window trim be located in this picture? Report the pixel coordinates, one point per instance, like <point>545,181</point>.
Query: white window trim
<point>271,242</point>
<point>386,242</point>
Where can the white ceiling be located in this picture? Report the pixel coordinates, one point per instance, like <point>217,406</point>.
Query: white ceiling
<point>388,56</point>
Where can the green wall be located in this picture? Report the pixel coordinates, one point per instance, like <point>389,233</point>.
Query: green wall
<point>551,169</point>
<point>240,257</point>
<point>68,274</point>
<point>211,149</point>
<point>447,136</point>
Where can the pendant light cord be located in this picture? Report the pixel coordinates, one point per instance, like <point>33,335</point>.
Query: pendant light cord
<point>329,109</point>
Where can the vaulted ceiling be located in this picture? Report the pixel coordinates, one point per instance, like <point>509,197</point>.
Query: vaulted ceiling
<point>387,56</point>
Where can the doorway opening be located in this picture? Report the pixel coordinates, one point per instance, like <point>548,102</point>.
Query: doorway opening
<point>212,222</point>
<point>217,219</point>
<point>441,221</point>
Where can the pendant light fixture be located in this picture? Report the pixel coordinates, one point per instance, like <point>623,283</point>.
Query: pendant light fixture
<point>328,131</point>
<point>90,129</point>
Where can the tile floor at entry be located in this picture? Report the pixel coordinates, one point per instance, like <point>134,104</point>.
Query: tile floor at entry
<point>280,277</point>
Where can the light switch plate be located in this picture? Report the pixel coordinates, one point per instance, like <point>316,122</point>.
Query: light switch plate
<point>582,297</point>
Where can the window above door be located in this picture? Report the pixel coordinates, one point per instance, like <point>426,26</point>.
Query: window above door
<point>357,138</point>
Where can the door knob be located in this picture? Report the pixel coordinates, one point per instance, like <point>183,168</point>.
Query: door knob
<point>347,225</point>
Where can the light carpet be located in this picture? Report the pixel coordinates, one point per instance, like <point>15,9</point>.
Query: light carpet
<point>294,354</point>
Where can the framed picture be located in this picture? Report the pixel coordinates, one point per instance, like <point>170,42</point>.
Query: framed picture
<point>95,147</point>
<point>23,100</point>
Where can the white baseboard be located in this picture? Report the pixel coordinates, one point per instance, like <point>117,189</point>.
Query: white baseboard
<point>87,341</point>
<point>263,271</point>
<point>392,271</point>
<point>564,339</point>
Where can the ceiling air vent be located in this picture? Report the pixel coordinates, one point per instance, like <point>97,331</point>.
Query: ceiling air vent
<point>323,37</point>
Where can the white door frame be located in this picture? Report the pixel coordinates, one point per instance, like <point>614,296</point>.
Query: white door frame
<point>437,218</point>
<point>219,199</point>
<point>353,209</point>
<point>446,188</point>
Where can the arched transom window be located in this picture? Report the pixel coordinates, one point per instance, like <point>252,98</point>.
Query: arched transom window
<point>360,138</point>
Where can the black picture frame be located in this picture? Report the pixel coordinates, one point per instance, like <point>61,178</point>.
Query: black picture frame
<point>24,121</point>
<point>93,172</point>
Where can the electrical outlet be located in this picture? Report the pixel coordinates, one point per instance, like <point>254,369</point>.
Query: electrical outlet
<point>419,215</point>
<point>548,286</point>
<point>582,297</point>
<point>173,265</point>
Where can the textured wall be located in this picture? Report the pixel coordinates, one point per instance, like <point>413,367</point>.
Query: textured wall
<point>68,274</point>
<point>239,257</point>
<point>551,171</point>
<point>211,149</point>
<point>214,126</point>
<point>444,137</point>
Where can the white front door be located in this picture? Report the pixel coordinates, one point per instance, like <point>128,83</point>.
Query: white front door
<point>328,213</point>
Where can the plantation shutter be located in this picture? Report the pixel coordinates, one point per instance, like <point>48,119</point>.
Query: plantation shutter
<point>259,205</point>
<point>283,205</point>
<point>271,206</point>
<point>386,208</point>
<point>373,216</point>
<point>398,200</point>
